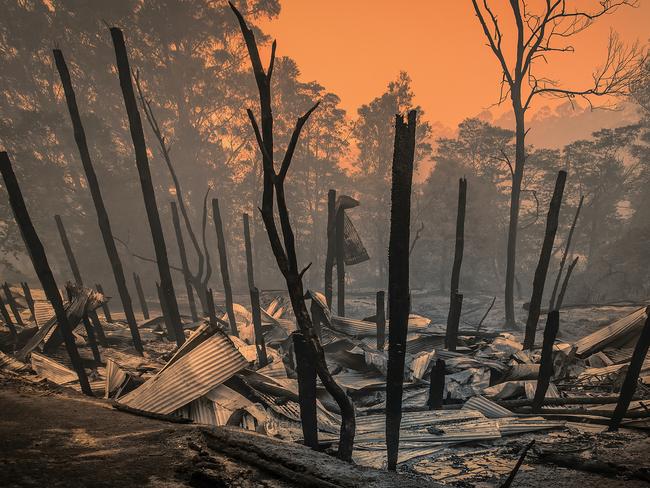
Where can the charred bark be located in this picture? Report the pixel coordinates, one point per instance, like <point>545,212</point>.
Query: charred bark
<point>187,275</point>
<point>306,371</point>
<point>250,272</point>
<point>260,345</point>
<point>436,385</point>
<point>141,297</point>
<point>223,266</point>
<point>546,363</point>
<point>455,299</point>
<point>565,283</point>
<point>331,245</point>
<point>340,260</point>
<point>380,317</point>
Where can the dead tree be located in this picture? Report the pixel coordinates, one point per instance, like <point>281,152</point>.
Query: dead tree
<point>398,277</point>
<point>544,258</point>
<point>223,266</point>
<point>169,326</point>
<point>250,272</point>
<point>148,193</point>
<point>380,317</point>
<point>141,297</point>
<point>12,304</point>
<point>306,372</point>
<point>340,260</point>
<point>29,299</point>
<point>184,263</point>
<point>198,280</point>
<point>565,283</point>
<point>331,245</point>
<point>565,254</point>
<point>105,309</point>
<point>546,363</point>
<point>95,192</point>
<point>538,32</point>
<point>436,385</point>
<point>260,345</point>
<point>284,248</point>
<point>632,376</point>
<point>41,266</point>
<point>456,299</point>
<point>212,314</point>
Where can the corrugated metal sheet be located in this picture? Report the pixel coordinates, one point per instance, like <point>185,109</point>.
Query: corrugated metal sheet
<point>115,378</point>
<point>10,363</point>
<point>52,370</point>
<point>209,364</point>
<point>43,311</point>
<point>512,426</point>
<point>357,380</point>
<point>487,407</point>
<point>275,369</point>
<point>419,420</point>
<point>623,328</point>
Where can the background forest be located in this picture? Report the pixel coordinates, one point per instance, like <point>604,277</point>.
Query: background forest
<point>193,71</point>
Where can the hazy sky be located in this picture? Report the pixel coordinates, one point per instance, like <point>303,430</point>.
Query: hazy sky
<point>355,47</point>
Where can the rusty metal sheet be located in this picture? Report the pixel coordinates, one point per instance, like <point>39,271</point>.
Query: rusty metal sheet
<point>52,370</point>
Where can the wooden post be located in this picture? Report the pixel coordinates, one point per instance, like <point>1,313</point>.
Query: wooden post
<point>340,261</point>
<point>7,319</point>
<point>436,385</point>
<point>306,370</point>
<point>260,346</point>
<point>100,208</point>
<point>453,321</point>
<point>29,299</point>
<point>250,274</point>
<point>544,258</point>
<point>546,362</point>
<point>12,304</point>
<point>212,314</point>
<point>398,277</point>
<point>455,303</point>
<point>632,376</point>
<point>223,265</point>
<point>565,283</point>
<point>39,260</point>
<point>148,193</point>
<point>184,264</point>
<point>141,297</point>
<point>331,245</point>
<point>105,309</point>
<point>169,326</point>
<point>380,317</point>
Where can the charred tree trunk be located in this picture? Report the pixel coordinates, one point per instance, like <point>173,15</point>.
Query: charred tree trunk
<point>546,363</point>
<point>29,299</point>
<point>544,259</point>
<point>105,309</point>
<point>455,300</point>
<point>169,326</point>
<point>436,385</point>
<point>565,283</point>
<point>12,304</point>
<point>250,272</point>
<point>187,275</point>
<point>398,277</point>
<point>223,266</point>
<point>283,247</point>
<point>260,345</point>
<point>100,208</point>
<point>632,376</point>
<point>41,266</point>
<point>306,370</point>
<point>148,193</point>
<point>380,315</point>
<point>340,261</point>
<point>331,245</point>
<point>141,297</point>
<point>564,255</point>
<point>212,314</point>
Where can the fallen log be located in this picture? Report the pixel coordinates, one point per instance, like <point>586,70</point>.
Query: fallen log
<point>603,468</point>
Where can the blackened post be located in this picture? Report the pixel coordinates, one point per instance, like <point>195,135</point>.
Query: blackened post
<point>340,261</point>
<point>565,283</point>
<point>250,274</point>
<point>171,332</point>
<point>29,299</point>
<point>148,193</point>
<point>92,341</point>
<point>100,208</point>
<point>72,261</point>
<point>260,346</point>
<point>632,376</point>
<point>453,321</point>
<point>184,264</point>
<point>331,245</point>
<point>306,370</point>
<point>212,314</point>
<point>105,309</point>
<point>552,219</point>
<point>398,277</point>
<point>380,315</point>
<point>436,385</point>
<point>7,319</point>
<point>455,305</point>
<point>12,303</point>
<point>316,318</point>
<point>41,266</point>
<point>546,362</point>
<point>223,265</point>
<point>141,297</point>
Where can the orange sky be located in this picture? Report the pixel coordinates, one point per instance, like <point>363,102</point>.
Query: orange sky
<point>355,47</point>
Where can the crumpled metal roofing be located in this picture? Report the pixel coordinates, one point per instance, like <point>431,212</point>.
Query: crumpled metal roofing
<point>487,407</point>
<point>203,368</point>
<point>10,363</point>
<point>621,329</point>
<point>52,370</point>
<point>115,377</point>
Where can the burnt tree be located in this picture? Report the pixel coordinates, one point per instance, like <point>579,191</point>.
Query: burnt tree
<point>331,245</point>
<point>398,277</point>
<point>184,264</point>
<point>546,362</point>
<point>41,266</point>
<point>141,297</point>
<point>29,299</point>
<point>223,266</point>
<point>565,283</point>
<point>284,248</point>
<point>455,299</point>
<point>380,318</point>
<point>339,225</point>
<point>148,193</point>
<point>12,303</point>
<point>436,385</point>
<point>96,194</point>
<point>552,219</point>
<point>250,272</point>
